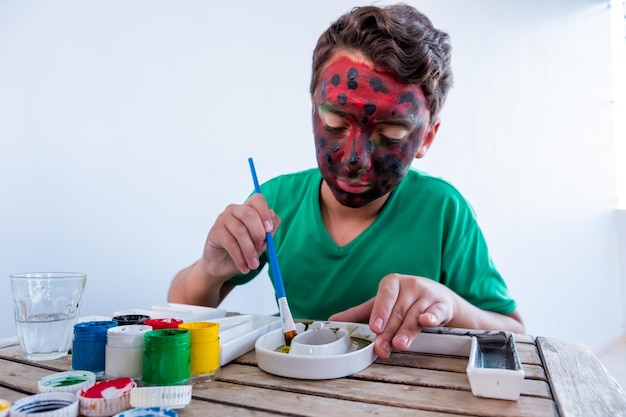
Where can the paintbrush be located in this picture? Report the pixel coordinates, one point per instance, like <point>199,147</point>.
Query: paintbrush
<point>289,328</point>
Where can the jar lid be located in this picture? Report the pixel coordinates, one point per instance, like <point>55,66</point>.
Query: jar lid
<point>106,398</point>
<point>128,335</point>
<point>127,319</point>
<point>47,404</point>
<point>4,408</point>
<point>173,396</point>
<point>68,381</point>
<point>163,323</point>
<point>148,412</point>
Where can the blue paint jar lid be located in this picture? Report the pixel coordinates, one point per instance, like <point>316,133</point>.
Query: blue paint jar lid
<point>148,412</point>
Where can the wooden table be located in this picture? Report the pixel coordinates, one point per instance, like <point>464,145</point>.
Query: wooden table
<point>562,379</point>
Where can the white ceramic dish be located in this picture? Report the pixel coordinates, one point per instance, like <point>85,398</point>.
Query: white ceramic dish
<point>321,341</point>
<point>315,367</point>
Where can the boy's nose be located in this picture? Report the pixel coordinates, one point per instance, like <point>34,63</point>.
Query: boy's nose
<point>358,158</point>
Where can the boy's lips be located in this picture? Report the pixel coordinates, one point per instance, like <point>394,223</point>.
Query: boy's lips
<point>353,186</point>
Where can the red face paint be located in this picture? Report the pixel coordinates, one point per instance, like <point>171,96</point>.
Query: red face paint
<point>368,127</point>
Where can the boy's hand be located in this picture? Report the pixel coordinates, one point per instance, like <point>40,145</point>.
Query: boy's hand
<point>237,238</point>
<point>403,306</point>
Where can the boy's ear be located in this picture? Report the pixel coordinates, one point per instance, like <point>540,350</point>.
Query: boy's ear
<point>427,141</point>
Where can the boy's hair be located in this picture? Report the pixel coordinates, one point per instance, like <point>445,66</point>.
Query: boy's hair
<point>397,39</point>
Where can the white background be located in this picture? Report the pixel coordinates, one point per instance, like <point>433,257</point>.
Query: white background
<point>125,128</point>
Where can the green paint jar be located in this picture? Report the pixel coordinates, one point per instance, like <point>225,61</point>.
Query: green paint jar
<point>166,357</point>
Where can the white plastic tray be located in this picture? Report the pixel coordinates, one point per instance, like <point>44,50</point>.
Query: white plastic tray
<point>238,334</point>
<point>183,312</point>
<point>502,382</point>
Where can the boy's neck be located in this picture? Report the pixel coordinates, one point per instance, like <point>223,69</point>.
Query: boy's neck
<point>346,223</point>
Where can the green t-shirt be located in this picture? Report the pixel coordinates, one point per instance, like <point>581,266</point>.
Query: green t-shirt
<point>426,228</point>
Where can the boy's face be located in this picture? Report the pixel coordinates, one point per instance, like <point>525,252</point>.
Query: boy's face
<point>368,128</point>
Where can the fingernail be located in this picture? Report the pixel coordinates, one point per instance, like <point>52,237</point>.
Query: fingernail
<point>403,339</point>
<point>384,345</point>
<point>378,325</point>
<point>254,264</point>
<point>268,226</point>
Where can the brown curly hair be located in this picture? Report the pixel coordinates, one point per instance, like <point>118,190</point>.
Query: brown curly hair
<point>398,39</point>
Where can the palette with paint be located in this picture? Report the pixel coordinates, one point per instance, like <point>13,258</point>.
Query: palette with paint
<point>274,358</point>
<point>494,369</point>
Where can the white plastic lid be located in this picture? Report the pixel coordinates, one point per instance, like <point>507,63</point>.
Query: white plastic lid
<point>127,336</point>
<point>48,404</point>
<point>174,396</point>
<point>106,398</point>
<point>69,381</point>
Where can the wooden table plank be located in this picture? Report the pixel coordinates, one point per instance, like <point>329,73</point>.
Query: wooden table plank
<point>424,361</point>
<point>581,385</point>
<point>391,394</point>
<point>10,395</point>
<point>299,404</point>
<point>439,379</point>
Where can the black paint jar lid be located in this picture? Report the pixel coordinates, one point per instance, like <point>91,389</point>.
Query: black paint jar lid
<point>130,319</point>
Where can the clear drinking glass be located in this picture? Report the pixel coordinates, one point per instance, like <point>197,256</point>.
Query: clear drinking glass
<point>46,307</point>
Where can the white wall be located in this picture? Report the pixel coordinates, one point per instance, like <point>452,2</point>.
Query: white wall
<point>125,127</point>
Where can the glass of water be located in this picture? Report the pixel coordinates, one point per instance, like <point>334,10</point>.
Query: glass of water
<point>46,306</point>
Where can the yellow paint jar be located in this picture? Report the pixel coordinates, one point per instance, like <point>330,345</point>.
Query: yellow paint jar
<point>205,347</point>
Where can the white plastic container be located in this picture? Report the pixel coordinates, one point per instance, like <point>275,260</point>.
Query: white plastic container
<point>494,369</point>
<point>124,351</point>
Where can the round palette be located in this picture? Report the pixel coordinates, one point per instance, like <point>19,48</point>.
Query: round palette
<point>273,358</point>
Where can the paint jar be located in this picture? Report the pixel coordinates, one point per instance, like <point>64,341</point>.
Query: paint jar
<point>124,351</point>
<point>166,357</point>
<point>165,323</point>
<point>205,348</point>
<point>128,319</point>
<point>88,348</point>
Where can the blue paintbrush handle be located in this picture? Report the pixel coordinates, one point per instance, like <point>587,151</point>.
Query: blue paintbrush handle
<point>271,250</point>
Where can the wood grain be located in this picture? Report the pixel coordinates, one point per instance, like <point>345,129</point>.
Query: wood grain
<point>581,385</point>
<point>391,394</point>
<point>562,380</point>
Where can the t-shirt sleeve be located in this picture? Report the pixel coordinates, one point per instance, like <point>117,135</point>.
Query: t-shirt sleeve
<point>468,269</point>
